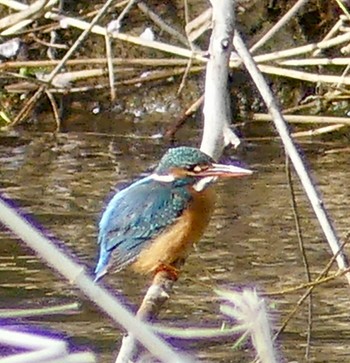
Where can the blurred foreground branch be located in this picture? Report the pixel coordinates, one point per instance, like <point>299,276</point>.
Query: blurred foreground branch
<point>76,274</point>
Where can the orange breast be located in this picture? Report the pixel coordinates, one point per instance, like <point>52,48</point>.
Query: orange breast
<point>177,241</point>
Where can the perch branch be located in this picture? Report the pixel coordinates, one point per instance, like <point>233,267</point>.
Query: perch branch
<point>157,294</point>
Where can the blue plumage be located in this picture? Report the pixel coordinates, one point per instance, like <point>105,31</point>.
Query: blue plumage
<point>134,217</point>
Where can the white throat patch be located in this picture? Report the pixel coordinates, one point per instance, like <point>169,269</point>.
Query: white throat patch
<point>203,183</point>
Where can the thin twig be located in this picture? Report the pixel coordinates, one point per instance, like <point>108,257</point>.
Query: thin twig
<point>29,104</point>
<point>118,5</point>
<point>342,77</point>
<point>330,35</point>
<point>109,54</point>
<point>184,77</point>
<point>309,290</point>
<point>303,253</point>
<point>118,22</point>
<point>279,25</point>
<point>109,58</point>
<point>161,23</point>
<point>196,27</point>
<point>170,132</point>
<point>303,286</point>
<point>48,44</point>
<point>344,8</point>
<point>55,110</point>
<point>315,62</point>
<point>190,61</point>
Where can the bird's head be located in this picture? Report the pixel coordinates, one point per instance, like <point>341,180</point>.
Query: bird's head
<point>190,166</point>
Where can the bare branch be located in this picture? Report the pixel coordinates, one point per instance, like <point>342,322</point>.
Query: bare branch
<point>217,113</point>
<point>292,152</point>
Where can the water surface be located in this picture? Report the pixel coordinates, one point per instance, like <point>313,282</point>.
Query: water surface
<point>63,183</point>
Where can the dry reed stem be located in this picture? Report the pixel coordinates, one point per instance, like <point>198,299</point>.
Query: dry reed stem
<point>111,75</point>
<point>330,35</point>
<point>318,131</point>
<point>315,62</point>
<point>304,119</point>
<point>303,76</point>
<point>340,39</point>
<point>156,76</point>
<point>261,58</point>
<point>140,62</point>
<point>30,11</point>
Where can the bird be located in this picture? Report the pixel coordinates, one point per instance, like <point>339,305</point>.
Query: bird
<point>153,223</point>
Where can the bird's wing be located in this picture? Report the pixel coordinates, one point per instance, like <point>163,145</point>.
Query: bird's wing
<point>134,217</point>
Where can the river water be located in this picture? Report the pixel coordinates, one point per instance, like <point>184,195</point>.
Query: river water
<point>63,181</point>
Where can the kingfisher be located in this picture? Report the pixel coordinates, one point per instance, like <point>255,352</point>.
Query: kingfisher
<point>153,224</point>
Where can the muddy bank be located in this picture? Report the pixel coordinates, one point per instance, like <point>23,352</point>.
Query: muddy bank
<point>154,92</point>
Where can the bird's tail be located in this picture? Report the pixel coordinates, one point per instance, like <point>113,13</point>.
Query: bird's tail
<point>102,265</point>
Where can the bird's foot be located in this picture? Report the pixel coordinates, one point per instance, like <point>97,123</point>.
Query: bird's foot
<point>171,271</point>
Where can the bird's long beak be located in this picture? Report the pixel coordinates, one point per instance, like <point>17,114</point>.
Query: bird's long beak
<point>225,171</point>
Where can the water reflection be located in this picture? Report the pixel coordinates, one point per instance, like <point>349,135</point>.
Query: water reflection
<point>63,182</point>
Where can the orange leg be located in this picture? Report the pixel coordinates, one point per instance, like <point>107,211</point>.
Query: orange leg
<point>171,271</point>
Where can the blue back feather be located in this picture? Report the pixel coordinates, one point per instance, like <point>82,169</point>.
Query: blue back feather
<point>134,217</point>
